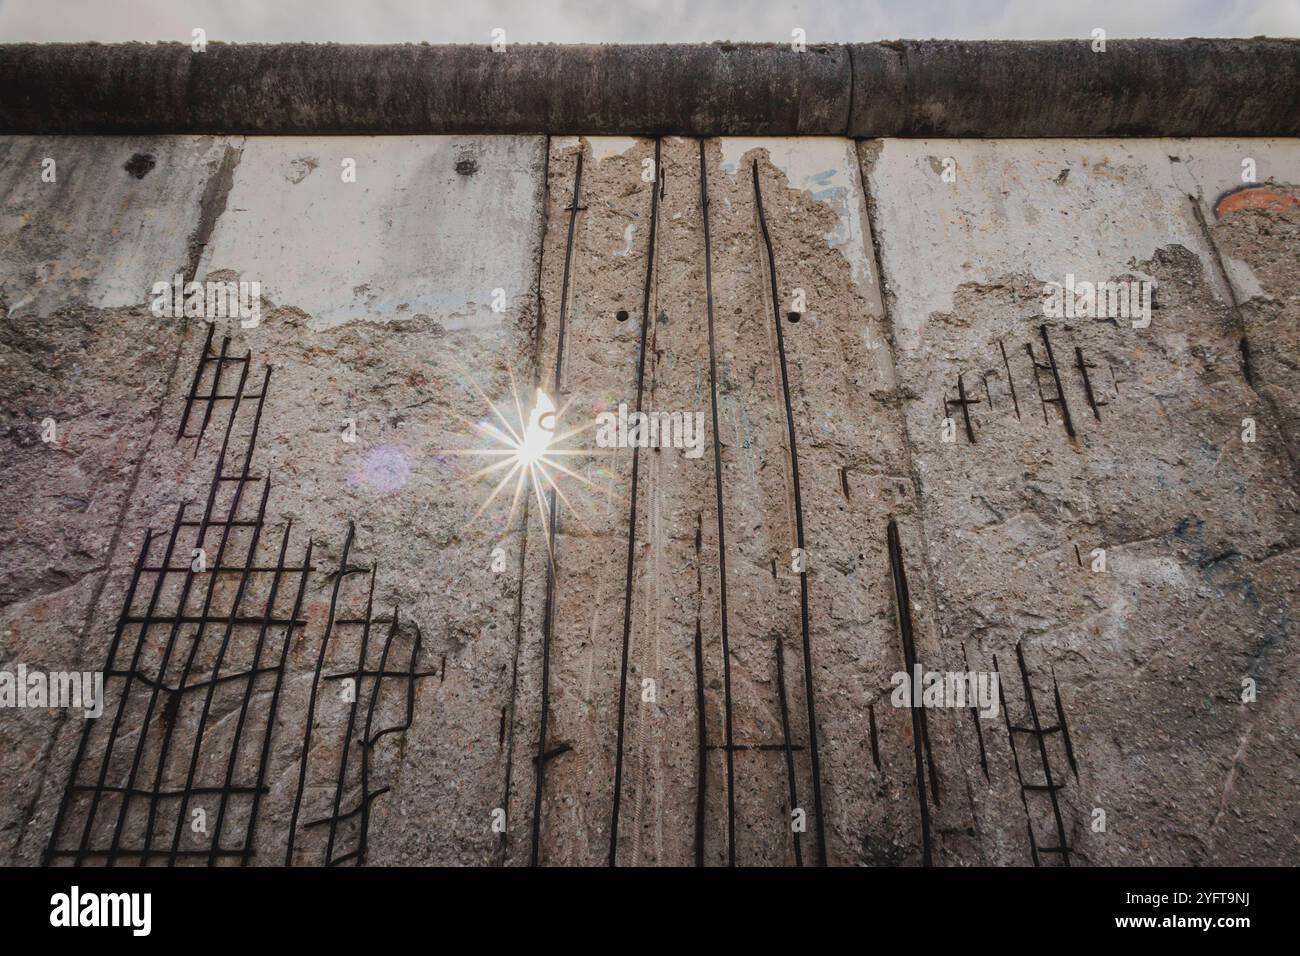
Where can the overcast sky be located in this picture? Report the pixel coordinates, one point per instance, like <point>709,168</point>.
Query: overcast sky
<point>634,21</point>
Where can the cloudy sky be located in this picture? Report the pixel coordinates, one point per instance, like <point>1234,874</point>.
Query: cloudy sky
<point>634,21</point>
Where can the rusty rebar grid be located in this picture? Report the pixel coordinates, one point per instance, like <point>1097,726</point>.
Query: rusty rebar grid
<point>1039,733</point>
<point>131,625</point>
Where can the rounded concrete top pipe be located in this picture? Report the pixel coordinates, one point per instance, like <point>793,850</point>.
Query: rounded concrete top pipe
<point>1062,88</point>
<point>905,88</point>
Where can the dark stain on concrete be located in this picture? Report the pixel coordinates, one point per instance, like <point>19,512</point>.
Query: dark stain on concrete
<point>140,165</point>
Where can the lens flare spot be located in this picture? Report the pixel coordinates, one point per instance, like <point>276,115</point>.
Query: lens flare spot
<point>384,469</point>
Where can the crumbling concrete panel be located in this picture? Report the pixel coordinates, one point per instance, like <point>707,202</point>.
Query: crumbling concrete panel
<point>839,365</point>
<point>853,479</point>
<point>1151,656</point>
<point>383,350</point>
<point>762,592</point>
<point>1247,193</point>
<point>407,388</point>
<point>661,764</point>
<point>598,362</point>
<point>84,366</point>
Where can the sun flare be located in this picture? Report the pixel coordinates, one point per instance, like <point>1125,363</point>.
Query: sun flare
<point>540,431</point>
<point>527,455</point>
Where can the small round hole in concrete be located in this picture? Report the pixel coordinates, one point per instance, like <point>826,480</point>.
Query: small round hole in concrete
<point>140,165</point>
<point>621,315</point>
<point>793,316</point>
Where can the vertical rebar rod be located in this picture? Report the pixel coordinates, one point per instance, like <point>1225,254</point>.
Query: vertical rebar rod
<point>346,749</point>
<point>722,529</point>
<point>810,697</point>
<point>631,524</point>
<point>789,754</point>
<point>1056,376</point>
<point>903,605</point>
<point>552,519</point>
<point>1042,751</point>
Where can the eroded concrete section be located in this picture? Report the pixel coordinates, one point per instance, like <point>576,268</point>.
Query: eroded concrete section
<point>83,369</point>
<point>1198,526</point>
<point>407,390</point>
<point>597,369</point>
<point>1250,201</point>
<point>854,478</point>
<point>386,346</point>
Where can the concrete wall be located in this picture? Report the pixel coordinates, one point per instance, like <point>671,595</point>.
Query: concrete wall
<point>1199,528</point>
<point>918,261</point>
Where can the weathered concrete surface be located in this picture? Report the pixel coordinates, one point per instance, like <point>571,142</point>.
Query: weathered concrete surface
<point>409,380</point>
<point>851,435</point>
<point>900,88</point>
<point>852,480</point>
<point>598,370</point>
<point>98,235</point>
<point>1256,230</point>
<point>308,88</point>
<point>658,797</point>
<point>410,360</point>
<point>1199,527</point>
<point>79,353</point>
<point>377,308</point>
<point>426,230</point>
<point>1186,87</point>
<point>1253,227</point>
